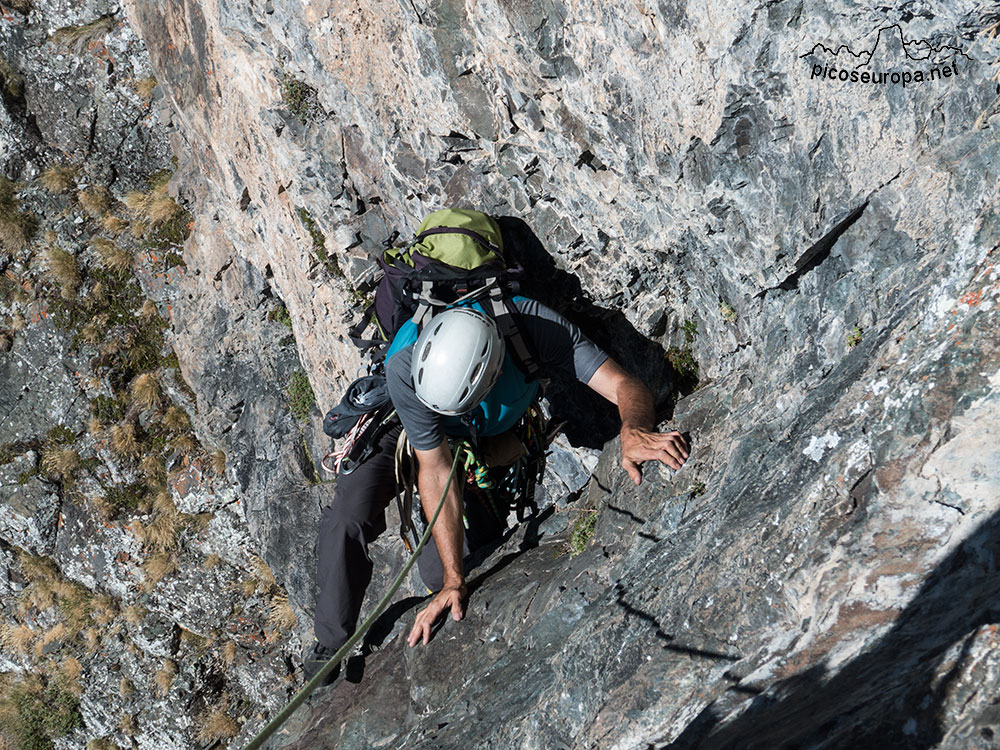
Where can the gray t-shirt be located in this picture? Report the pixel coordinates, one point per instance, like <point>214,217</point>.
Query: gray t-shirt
<point>559,345</point>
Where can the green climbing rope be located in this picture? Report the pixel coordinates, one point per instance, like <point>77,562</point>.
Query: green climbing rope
<point>307,689</point>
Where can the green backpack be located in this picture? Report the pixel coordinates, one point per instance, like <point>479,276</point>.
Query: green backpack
<point>457,256</point>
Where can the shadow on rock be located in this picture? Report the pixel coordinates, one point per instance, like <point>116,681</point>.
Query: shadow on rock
<point>894,694</point>
<point>590,420</point>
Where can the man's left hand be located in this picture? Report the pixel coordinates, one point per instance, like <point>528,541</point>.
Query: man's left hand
<point>642,445</point>
<point>450,597</point>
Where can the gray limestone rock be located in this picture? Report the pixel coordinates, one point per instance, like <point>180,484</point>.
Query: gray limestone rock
<point>817,256</point>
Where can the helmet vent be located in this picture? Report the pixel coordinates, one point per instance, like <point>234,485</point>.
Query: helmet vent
<point>486,346</point>
<point>475,373</point>
<point>464,394</point>
<point>426,351</point>
<point>420,375</point>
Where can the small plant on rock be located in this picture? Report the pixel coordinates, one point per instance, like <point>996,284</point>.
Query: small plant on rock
<point>854,337</point>
<point>146,391</point>
<point>299,98</point>
<point>164,677</point>
<point>95,200</point>
<point>60,463</point>
<point>16,227</point>
<point>583,532</point>
<point>280,615</point>
<point>124,441</point>
<point>64,270</point>
<point>112,257</point>
<point>217,724</point>
<point>153,208</point>
<point>144,87</point>
<point>79,38</point>
<point>300,395</point>
<point>58,178</point>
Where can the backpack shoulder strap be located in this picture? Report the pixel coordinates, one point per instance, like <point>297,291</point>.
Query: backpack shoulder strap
<point>503,311</point>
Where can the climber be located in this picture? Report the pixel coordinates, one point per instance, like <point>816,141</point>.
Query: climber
<point>455,375</point>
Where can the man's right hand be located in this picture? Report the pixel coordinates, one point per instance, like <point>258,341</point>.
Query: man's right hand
<point>450,597</point>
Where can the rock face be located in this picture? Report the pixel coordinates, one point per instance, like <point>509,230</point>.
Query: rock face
<point>696,185</point>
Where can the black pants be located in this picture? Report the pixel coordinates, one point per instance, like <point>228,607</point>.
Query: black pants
<point>354,520</point>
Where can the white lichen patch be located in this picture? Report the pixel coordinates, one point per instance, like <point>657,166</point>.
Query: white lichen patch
<point>819,445</point>
<point>879,387</point>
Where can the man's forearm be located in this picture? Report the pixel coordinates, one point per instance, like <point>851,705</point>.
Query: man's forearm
<point>635,404</point>
<point>448,531</point>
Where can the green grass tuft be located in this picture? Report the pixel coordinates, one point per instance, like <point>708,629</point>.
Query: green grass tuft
<point>33,716</point>
<point>300,395</point>
<point>583,532</point>
<point>299,98</point>
<point>854,337</point>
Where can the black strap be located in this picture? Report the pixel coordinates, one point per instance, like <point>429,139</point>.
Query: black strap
<point>503,311</point>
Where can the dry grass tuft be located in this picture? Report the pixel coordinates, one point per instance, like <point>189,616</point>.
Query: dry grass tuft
<point>96,200</point>
<point>54,635</point>
<point>59,178</point>
<point>38,568</point>
<point>146,391</point>
<point>134,614</point>
<point>64,270</point>
<point>16,229</point>
<point>217,725</point>
<point>68,676</point>
<point>60,463</point>
<point>176,419</point>
<point>92,640</point>
<point>38,595</point>
<point>17,638</point>
<point>157,567</point>
<point>211,561</point>
<point>125,687</point>
<point>280,615</point>
<point>229,653</point>
<point>218,462</point>
<point>153,469</point>
<point>113,225</point>
<point>127,724</point>
<point>185,443</point>
<point>144,88</point>
<point>163,502</point>
<point>104,609</point>
<point>248,587</point>
<point>163,531</point>
<point>98,297</point>
<point>164,678</point>
<point>79,38</point>
<point>263,574</point>
<point>149,311</point>
<point>124,441</point>
<point>153,208</point>
<point>113,258</point>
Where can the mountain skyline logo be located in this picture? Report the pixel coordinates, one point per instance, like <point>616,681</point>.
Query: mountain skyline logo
<point>891,59</point>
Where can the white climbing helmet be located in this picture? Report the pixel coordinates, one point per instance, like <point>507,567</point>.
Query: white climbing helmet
<point>456,360</point>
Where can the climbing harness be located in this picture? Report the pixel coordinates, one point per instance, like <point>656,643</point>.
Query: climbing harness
<point>504,469</point>
<point>307,689</point>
